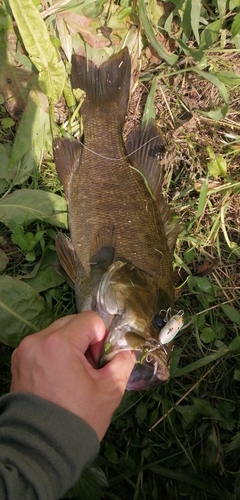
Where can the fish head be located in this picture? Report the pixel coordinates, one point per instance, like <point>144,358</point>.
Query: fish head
<point>128,299</point>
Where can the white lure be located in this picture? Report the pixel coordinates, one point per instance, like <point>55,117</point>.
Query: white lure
<point>172,327</point>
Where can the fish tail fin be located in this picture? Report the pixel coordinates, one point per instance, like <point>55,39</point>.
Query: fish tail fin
<point>107,83</point>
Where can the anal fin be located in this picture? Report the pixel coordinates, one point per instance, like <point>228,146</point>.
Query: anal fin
<point>57,266</point>
<point>66,256</point>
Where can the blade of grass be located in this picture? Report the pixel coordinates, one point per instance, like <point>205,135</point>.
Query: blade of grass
<point>166,56</point>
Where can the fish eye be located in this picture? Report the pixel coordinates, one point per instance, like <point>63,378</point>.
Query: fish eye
<point>157,321</point>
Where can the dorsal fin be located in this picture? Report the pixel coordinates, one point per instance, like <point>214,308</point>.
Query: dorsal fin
<point>67,156</point>
<point>145,147</point>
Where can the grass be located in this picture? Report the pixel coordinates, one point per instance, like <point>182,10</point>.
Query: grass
<point>181,440</point>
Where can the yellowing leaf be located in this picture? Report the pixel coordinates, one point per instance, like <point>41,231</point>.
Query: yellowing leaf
<point>41,51</point>
<point>218,166</point>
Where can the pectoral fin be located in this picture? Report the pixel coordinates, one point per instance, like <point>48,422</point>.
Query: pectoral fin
<point>102,252</point>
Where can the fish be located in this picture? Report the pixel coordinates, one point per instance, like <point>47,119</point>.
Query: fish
<point>119,255</point>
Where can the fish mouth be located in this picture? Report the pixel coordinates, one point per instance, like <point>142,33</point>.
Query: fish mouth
<point>146,376</point>
<point>151,366</point>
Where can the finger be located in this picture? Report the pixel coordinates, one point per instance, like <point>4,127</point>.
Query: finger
<point>86,328</point>
<point>95,351</point>
<point>119,368</point>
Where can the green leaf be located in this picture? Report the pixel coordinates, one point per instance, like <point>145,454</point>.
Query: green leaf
<point>210,34</point>
<point>211,449</point>
<point>235,443</point>
<point>44,277</point>
<point>7,123</point>
<point>202,198</point>
<point>19,237</point>
<point>90,485</point>
<point>3,260</point>
<point>186,19</point>
<point>180,476</point>
<point>23,311</point>
<point>233,4</point>
<point>200,363</point>
<point>110,453</point>
<point>203,407</point>
<point>234,346</point>
<point>141,412</point>
<point>189,255</point>
<point>166,56</point>
<point>188,413</point>
<point>236,375</point>
<point>195,17</point>
<point>149,114</point>
<point>222,4</point>
<point>196,282</point>
<point>207,335</point>
<point>220,113</point>
<point>217,166</point>
<point>27,205</point>
<point>235,29</point>
<point>228,78</point>
<point>32,129</point>
<point>232,313</point>
<point>37,43</point>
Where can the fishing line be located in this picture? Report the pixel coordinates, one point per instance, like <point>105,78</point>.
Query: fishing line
<point>118,159</point>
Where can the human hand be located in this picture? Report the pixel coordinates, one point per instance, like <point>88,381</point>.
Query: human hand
<point>58,364</point>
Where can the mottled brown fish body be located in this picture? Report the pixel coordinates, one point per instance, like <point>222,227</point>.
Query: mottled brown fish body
<point>109,192</point>
<point>115,209</point>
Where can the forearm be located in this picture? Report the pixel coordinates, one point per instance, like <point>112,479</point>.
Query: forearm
<point>43,448</point>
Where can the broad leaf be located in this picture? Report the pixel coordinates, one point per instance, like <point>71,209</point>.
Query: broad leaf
<point>32,129</point>
<point>45,276</point>
<point>232,313</point>
<point>207,335</point>
<point>90,485</point>
<point>41,51</point>
<point>27,205</point>
<point>23,311</point>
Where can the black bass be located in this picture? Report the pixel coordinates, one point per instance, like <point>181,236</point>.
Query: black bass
<point>119,258</point>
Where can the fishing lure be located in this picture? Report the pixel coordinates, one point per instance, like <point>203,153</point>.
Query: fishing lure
<point>172,327</point>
